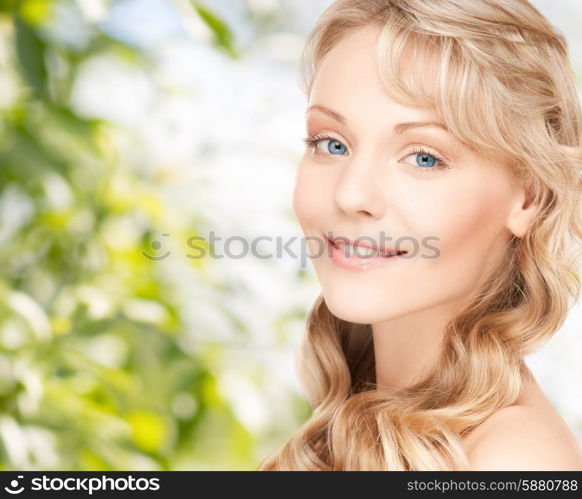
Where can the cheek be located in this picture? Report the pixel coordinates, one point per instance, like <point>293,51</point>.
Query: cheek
<point>307,204</point>
<point>470,226</point>
<point>461,225</point>
<point>468,211</point>
<point>473,219</point>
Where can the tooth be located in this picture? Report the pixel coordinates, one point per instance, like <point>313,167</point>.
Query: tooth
<point>357,251</point>
<point>361,250</point>
<point>366,251</point>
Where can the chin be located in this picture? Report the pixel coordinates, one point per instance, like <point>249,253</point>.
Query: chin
<point>358,312</point>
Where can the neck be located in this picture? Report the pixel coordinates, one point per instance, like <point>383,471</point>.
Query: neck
<point>406,348</point>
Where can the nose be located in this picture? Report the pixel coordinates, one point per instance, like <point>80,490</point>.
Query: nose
<point>359,191</point>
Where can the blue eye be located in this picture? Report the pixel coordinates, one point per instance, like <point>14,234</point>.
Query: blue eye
<point>334,146</point>
<point>426,160</point>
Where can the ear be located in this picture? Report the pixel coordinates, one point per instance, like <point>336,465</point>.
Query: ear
<point>522,212</point>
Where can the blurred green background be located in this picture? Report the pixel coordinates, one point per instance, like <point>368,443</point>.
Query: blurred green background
<point>106,362</point>
<point>127,128</point>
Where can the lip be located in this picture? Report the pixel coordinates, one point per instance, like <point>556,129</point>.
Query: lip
<point>363,262</point>
<point>365,244</point>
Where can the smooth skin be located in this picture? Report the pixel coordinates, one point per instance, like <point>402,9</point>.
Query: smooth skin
<point>366,179</point>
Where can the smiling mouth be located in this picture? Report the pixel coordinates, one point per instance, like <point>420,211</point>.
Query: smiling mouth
<point>363,251</point>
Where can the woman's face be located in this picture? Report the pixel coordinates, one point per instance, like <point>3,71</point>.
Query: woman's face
<point>374,177</point>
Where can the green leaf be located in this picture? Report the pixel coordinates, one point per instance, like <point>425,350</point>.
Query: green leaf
<point>34,12</point>
<point>8,5</point>
<point>222,33</point>
<point>30,50</point>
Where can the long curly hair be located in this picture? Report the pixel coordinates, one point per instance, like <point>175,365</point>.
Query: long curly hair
<point>504,85</point>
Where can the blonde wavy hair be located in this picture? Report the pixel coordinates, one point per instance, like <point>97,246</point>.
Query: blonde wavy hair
<point>504,85</point>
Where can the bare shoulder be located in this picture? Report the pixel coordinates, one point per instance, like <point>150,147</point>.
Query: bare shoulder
<point>529,436</point>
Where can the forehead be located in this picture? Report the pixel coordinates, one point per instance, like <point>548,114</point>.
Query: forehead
<point>348,76</point>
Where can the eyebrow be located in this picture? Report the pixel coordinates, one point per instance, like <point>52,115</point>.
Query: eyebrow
<point>398,128</point>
